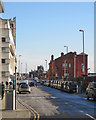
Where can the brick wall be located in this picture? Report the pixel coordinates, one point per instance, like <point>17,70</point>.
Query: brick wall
<point>68,65</point>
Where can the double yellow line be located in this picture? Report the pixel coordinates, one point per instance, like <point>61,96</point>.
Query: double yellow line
<point>35,113</point>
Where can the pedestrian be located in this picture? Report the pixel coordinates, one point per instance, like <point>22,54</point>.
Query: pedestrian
<point>10,85</point>
<point>7,84</point>
<point>3,87</point>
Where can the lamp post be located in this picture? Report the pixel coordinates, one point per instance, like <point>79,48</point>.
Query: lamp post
<point>19,64</point>
<point>46,68</point>
<point>66,62</point>
<point>66,48</point>
<point>46,64</point>
<point>83,53</point>
<point>21,70</point>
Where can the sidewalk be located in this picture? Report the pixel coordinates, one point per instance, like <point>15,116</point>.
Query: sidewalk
<point>21,113</point>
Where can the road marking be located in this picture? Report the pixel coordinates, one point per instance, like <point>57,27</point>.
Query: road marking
<point>32,110</point>
<point>91,116</point>
<point>81,111</point>
<point>66,103</point>
<point>27,107</point>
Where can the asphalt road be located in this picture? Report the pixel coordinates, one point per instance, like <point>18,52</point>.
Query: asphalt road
<point>53,103</point>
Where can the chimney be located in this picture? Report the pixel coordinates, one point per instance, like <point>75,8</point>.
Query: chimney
<point>52,57</point>
<point>62,54</point>
<point>74,53</point>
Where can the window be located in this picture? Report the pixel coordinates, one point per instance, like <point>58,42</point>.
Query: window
<point>3,39</point>
<point>69,65</point>
<point>56,74</point>
<point>3,73</point>
<point>3,49</point>
<point>63,65</point>
<point>3,60</point>
<point>66,65</point>
<point>82,68</point>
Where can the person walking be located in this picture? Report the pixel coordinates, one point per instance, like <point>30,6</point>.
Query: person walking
<point>6,84</point>
<point>3,87</point>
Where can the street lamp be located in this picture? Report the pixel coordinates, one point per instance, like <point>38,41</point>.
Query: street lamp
<point>83,52</point>
<point>46,64</point>
<point>21,67</point>
<point>66,48</point>
<point>19,64</point>
<point>46,68</point>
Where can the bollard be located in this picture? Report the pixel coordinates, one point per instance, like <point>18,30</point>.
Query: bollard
<point>13,99</point>
<point>78,89</point>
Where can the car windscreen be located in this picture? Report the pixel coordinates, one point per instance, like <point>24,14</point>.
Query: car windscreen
<point>24,86</point>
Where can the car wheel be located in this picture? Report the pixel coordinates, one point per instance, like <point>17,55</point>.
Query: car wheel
<point>87,98</point>
<point>29,92</point>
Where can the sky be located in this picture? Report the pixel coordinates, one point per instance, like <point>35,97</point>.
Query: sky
<point>44,28</point>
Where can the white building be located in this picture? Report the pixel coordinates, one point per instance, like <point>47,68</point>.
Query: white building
<point>1,7</point>
<point>7,49</point>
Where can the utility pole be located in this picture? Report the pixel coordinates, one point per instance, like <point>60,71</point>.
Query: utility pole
<point>83,69</point>
<point>21,70</point>
<point>46,64</point>
<point>26,67</point>
<point>19,64</point>
<point>46,68</point>
<point>66,61</point>
<point>66,49</point>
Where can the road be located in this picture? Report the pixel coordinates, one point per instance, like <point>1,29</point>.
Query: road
<point>47,102</point>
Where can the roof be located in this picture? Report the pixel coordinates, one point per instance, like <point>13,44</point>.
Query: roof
<point>1,7</point>
<point>82,53</point>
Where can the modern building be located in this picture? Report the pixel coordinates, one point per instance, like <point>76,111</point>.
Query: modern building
<point>8,59</point>
<point>69,65</point>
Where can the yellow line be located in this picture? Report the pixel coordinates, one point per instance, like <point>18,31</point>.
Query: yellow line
<point>27,106</point>
<point>32,110</point>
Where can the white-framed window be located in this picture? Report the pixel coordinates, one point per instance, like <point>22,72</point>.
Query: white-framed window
<point>3,73</point>
<point>66,65</point>
<point>63,65</point>
<point>82,67</point>
<point>69,65</point>
<point>3,49</point>
<point>56,74</point>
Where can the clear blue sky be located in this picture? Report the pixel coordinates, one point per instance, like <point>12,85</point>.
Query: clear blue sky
<point>44,28</point>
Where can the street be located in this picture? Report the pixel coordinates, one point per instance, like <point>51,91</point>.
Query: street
<point>47,102</point>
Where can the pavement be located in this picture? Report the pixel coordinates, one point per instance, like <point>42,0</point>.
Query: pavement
<point>21,112</point>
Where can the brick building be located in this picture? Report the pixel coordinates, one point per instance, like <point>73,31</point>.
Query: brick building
<point>69,65</point>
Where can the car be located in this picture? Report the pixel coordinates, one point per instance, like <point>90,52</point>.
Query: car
<point>71,86</point>
<point>24,88</point>
<point>91,91</point>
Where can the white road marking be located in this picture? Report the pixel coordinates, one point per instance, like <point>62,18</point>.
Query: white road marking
<point>81,111</point>
<point>91,116</point>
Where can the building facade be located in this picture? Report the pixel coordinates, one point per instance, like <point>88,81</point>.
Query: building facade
<point>8,59</point>
<point>1,7</point>
<point>66,66</point>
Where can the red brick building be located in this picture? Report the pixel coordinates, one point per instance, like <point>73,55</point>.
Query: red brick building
<point>67,66</point>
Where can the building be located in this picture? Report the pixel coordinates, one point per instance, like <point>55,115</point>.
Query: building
<point>1,7</point>
<point>8,59</point>
<point>69,65</point>
<point>39,73</point>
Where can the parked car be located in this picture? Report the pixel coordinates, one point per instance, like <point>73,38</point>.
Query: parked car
<point>91,91</point>
<point>24,88</point>
<point>31,83</point>
<point>69,86</point>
